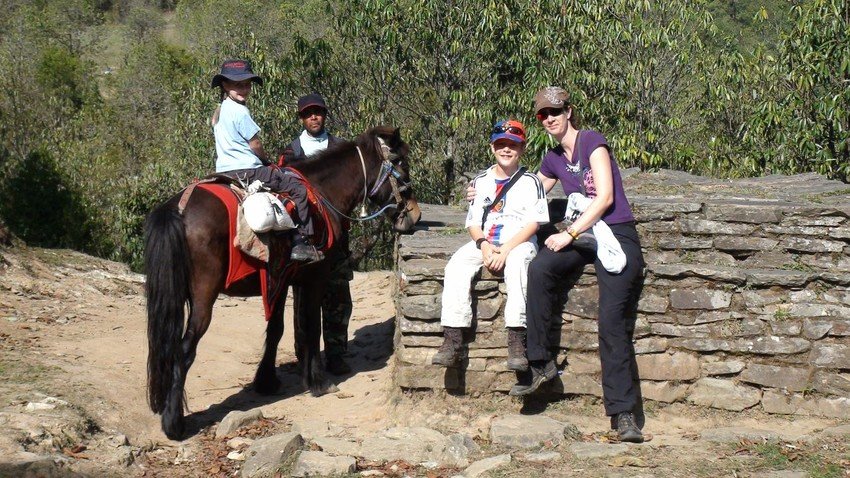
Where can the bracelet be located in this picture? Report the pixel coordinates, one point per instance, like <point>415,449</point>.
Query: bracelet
<point>572,232</point>
<point>479,241</point>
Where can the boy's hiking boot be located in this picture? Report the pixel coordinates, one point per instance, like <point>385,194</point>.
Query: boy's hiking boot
<point>303,250</point>
<point>449,353</point>
<point>628,429</point>
<point>540,374</point>
<point>516,350</point>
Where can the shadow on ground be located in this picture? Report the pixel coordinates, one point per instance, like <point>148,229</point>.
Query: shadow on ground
<point>369,350</point>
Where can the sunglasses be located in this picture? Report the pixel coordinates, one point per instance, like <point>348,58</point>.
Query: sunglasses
<point>547,112</point>
<point>508,129</point>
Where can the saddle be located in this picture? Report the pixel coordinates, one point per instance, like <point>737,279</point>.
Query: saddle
<point>250,253</point>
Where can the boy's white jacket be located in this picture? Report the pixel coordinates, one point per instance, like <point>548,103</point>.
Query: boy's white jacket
<point>524,203</point>
<point>608,248</point>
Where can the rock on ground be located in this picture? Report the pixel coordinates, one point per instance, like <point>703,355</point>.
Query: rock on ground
<point>236,419</point>
<point>488,464</point>
<point>522,431</point>
<point>735,434</point>
<point>316,463</point>
<point>598,450</point>
<point>265,456</point>
<point>414,445</point>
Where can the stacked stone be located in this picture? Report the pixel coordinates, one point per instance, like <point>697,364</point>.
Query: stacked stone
<point>746,302</point>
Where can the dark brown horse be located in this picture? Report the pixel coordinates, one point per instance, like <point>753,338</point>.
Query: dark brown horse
<point>186,260</point>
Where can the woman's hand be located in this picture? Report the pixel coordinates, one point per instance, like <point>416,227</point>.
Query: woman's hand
<point>470,192</point>
<point>558,241</point>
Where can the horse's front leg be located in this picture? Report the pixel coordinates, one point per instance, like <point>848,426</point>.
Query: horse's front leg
<point>266,381</point>
<point>308,301</point>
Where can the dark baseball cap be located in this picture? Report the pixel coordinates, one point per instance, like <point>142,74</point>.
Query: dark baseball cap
<point>236,70</point>
<point>312,99</point>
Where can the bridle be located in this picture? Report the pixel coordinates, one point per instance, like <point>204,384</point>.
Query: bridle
<point>388,172</point>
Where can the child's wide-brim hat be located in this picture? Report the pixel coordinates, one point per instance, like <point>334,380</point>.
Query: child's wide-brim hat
<point>236,70</point>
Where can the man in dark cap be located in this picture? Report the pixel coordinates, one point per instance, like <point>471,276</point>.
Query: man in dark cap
<point>336,305</point>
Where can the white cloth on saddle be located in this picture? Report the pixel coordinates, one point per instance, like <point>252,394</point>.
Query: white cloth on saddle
<point>608,248</point>
<point>264,211</point>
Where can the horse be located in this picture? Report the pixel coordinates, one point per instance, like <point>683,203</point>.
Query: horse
<point>186,261</point>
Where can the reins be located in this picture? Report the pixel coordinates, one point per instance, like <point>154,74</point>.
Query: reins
<point>388,171</point>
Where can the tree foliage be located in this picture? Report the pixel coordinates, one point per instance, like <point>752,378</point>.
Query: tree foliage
<point>107,102</point>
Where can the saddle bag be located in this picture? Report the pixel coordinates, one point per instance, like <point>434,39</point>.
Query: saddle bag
<point>264,212</point>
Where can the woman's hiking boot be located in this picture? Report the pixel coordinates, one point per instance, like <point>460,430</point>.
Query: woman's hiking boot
<point>516,350</point>
<point>628,429</point>
<point>540,374</point>
<point>449,353</point>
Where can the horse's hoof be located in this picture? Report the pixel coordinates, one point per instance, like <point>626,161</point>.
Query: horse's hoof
<point>173,429</point>
<point>323,389</point>
<point>267,387</point>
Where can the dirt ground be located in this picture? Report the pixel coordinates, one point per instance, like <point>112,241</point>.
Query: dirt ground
<point>72,388</point>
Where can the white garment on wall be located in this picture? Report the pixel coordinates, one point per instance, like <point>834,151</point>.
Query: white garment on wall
<point>608,248</point>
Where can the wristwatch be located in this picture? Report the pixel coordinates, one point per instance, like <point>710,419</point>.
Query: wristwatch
<point>572,232</point>
<point>479,241</point>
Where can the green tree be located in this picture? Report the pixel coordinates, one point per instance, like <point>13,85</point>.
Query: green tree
<point>815,133</point>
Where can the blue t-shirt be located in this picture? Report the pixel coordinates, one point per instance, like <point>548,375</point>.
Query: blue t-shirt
<point>576,175</point>
<point>232,132</point>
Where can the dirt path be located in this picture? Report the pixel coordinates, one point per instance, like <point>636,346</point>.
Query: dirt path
<point>72,329</point>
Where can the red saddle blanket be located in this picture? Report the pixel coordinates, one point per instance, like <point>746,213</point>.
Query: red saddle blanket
<point>274,276</point>
<point>240,265</point>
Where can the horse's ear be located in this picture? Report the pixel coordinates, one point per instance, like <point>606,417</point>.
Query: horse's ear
<point>397,136</point>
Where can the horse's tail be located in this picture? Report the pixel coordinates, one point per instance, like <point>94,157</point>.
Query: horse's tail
<point>167,267</point>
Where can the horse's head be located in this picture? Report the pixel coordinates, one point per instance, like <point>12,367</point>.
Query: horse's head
<point>393,182</point>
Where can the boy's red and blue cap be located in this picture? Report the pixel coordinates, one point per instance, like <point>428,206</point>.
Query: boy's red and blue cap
<point>236,70</point>
<point>511,130</point>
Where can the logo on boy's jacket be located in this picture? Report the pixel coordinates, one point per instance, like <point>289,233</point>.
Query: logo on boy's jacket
<point>499,206</point>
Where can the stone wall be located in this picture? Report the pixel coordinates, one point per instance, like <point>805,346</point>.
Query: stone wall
<point>746,299</point>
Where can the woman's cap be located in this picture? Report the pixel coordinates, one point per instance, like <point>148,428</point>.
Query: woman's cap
<point>551,97</point>
<point>312,99</point>
<point>236,70</point>
<point>511,130</point>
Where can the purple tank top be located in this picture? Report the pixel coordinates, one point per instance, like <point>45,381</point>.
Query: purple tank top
<point>578,177</point>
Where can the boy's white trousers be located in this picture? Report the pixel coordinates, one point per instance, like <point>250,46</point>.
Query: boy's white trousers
<point>457,300</point>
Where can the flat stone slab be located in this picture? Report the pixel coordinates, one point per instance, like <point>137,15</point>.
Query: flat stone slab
<point>839,431</point>
<point>312,428</point>
<point>488,464</point>
<point>736,434</point>
<point>337,446</point>
<point>316,463</point>
<point>528,431</point>
<point>598,450</point>
<point>415,445</point>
